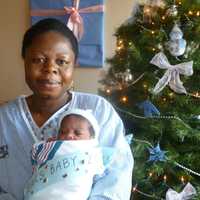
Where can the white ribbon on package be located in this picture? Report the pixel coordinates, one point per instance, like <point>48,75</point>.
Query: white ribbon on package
<point>172,75</point>
<point>75,22</point>
<point>188,192</point>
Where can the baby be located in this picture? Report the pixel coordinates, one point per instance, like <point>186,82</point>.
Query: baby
<point>65,166</point>
<point>77,124</point>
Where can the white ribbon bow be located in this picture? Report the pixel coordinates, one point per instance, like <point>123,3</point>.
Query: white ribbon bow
<point>75,22</point>
<point>188,192</point>
<point>172,75</point>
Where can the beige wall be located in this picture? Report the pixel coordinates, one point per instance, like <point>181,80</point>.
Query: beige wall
<point>14,21</point>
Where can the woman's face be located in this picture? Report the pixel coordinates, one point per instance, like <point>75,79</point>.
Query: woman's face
<point>49,64</point>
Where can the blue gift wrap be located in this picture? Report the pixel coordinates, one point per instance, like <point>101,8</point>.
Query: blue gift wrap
<point>91,43</point>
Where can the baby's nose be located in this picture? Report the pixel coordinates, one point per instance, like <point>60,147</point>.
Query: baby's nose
<point>70,136</point>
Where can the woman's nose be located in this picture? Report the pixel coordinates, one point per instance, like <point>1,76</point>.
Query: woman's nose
<point>50,67</point>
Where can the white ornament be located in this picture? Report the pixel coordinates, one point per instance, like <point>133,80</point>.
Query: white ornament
<point>124,77</point>
<point>172,75</point>
<point>188,192</point>
<point>172,11</point>
<point>176,33</point>
<point>128,77</point>
<point>176,45</point>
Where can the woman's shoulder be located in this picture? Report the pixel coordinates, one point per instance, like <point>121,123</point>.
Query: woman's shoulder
<point>90,98</point>
<point>87,95</point>
<point>102,109</point>
<point>10,106</point>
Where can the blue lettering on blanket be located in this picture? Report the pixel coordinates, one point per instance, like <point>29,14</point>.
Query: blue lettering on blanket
<point>62,168</point>
<point>73,163</point>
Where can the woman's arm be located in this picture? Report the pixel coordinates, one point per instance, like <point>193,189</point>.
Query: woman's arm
<point>116,185</point>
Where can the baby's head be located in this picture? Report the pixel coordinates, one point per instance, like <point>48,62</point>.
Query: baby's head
<point>78,124</point>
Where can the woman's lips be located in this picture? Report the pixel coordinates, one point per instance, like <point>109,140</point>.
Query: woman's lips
<point>48,83</point>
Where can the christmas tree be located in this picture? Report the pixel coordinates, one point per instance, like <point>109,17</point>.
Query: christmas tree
<point>154,83</point>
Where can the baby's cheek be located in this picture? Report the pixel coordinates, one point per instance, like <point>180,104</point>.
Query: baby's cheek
<point>64,137</point>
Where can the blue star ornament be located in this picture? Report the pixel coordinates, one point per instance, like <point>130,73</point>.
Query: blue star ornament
<point>149,109</point>
<point>156,154</point>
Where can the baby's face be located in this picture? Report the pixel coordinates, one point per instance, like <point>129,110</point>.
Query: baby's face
<point>74,128</point>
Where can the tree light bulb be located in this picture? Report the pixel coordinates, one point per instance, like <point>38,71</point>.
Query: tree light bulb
<point>108,91</point>
<point>150,174</point>
<point>120,87</point>
<point>134,189</point>
<point>120,41</point>
<point>165,178</point>
<point>164,99</point>
<point>152,32</point>
<point>182,179</point>
<point>196,94</point>
<point>171,94</point>
<point>130,43</point>
<point>190,12</point>
<point>124,99</point>
<point>198,13</point>
<point>147,10</point>
<point>145,85</point>
<point>119,48</point>
<point>163,17</point>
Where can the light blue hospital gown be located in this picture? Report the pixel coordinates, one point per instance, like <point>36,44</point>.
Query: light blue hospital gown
<point>18,132</point>
<point>66,170</point>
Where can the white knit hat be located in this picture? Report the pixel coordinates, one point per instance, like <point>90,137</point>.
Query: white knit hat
<point>87,114</point>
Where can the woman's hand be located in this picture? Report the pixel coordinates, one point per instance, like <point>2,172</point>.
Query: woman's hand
<point>51,139</point>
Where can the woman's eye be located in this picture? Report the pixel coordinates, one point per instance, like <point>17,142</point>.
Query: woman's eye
<point>62,62</point>
<point>38,60</point>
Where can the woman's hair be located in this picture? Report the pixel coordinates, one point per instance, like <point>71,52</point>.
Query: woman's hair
<point>46,25</point>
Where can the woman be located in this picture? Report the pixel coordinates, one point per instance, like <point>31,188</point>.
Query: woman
<point>50,51</point>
